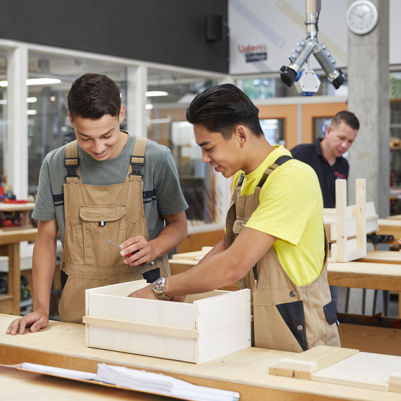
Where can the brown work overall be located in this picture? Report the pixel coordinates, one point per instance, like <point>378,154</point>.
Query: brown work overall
<point>285,317</point>
<point>93,215</point>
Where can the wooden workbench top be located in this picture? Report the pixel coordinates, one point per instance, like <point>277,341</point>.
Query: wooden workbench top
<point>62,345</point>
<point>18,385</point>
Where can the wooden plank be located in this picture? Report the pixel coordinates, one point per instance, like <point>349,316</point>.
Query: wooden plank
<point>394,383</point>
<point>14,277</point>
<point>366,338</point>
<point>304,364</point>
<point>17,234</point>
<point>365,370</point>
<point>196,241</point>
<point>393,257</point>
<point>341,204</point>
<point>16,207</point>
<point>360,195</point>
<point>141,327</point>
<point>390,227</point>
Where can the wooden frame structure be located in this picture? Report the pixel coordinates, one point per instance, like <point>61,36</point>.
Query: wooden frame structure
<point>347,226</point>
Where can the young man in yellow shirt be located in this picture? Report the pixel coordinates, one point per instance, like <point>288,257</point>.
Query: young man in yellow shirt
<point>274,241</point>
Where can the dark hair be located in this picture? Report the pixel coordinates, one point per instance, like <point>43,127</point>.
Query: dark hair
<point>93,96</point>
<point>221,108</point>
<point>347,117</point>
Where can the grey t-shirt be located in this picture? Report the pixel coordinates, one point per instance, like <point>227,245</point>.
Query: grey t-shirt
<point>161,188</point>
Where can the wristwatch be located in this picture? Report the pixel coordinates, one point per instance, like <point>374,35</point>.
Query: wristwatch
<point>159,288</point>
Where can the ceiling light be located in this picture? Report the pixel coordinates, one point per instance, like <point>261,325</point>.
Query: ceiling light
<point>156,93</point>
<point>31,112</point>
<point>149,106</point>
<point>36,81</point>
<point>32,99</point>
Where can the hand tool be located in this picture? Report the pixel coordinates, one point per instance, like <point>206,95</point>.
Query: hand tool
<point>255,275</point>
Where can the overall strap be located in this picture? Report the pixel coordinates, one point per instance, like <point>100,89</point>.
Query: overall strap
<point>71,161</point>
<point>281,160</point>
<point>137,159</point>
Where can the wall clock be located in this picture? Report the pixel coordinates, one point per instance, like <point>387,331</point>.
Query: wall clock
<point>361,17</point>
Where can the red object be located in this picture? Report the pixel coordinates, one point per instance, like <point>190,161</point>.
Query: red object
<point>6,200</point>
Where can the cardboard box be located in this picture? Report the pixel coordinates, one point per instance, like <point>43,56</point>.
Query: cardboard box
<point>205,327</point>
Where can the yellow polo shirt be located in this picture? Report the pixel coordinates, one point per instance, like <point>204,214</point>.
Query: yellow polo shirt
<point>291,209</point>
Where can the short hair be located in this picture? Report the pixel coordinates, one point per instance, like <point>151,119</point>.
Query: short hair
<point>347,117</point>
<point>221,108</point>
<point>93,96</point>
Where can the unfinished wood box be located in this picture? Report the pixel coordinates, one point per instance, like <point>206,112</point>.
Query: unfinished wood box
<point>205,327</point>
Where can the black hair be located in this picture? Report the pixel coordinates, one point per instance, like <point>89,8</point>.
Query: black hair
<point>93,96</point>
<point>221,108</point>
<point>347,117</point>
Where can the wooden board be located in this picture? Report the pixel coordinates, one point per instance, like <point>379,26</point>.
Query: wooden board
<point>379,340</point>
<point>382,257</point>
<point>302,365</point>
<point>363,370</point>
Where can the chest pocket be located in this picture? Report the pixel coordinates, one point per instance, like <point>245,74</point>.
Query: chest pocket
<point>99,224</point>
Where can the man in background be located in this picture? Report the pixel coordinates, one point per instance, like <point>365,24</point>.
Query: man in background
<point>325,156</point>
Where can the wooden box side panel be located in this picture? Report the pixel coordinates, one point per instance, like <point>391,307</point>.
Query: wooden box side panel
<point>165,313</point>
<point>121,289</point>
<point>224,324</point>
<point>159,345</point>
<point>159,313</point>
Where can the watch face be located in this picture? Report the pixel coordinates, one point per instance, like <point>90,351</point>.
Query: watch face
<point>361,17</point>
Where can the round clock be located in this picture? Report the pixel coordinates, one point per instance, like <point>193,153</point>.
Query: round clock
<point>361,17</point>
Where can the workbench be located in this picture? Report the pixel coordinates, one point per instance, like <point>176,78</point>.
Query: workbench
<point>390,226</point>
<point>246,371</point>
<point>379,270</point>
<point>19,385</point>
<point>10,239</point>
<point>376,276</point>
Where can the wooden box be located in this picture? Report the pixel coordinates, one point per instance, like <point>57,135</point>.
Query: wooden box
<point>205,327</point>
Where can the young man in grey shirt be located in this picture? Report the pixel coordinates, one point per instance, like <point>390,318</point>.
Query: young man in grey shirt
<point>108,185</point>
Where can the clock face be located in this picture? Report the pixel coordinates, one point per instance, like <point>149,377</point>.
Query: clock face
<point>361,17</point>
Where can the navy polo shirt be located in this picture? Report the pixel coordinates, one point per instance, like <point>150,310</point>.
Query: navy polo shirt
<point>311,154</point>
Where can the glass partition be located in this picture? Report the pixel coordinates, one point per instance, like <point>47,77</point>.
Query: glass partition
<point>169,94</point>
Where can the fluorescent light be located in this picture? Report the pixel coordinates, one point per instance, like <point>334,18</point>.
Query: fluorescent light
<point>156,93</point>
<point>149,106</point>
<point>31,112</point>
<point>43,81</point>
<point>28,100</point>
<point>36,81</point>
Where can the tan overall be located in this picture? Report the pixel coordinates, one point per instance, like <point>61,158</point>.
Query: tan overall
<point>93,215</point>
<point>286,317</point>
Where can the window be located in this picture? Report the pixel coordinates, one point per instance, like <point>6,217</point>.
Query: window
<point>168,96</point>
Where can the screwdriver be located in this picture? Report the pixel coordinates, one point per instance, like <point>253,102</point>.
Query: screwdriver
<point>118,246</point>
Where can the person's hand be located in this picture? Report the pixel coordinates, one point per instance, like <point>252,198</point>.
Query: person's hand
<point>34,320</point>
<point>147,293</point>
<point>137,251</point>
